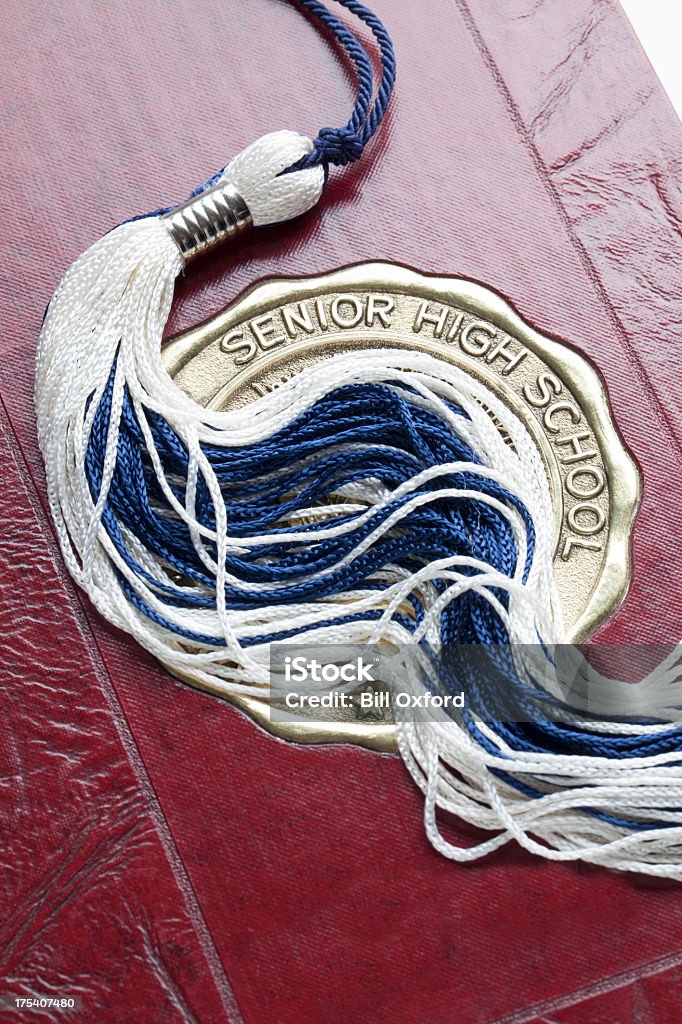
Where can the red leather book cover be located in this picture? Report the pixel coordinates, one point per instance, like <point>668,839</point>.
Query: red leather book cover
<point>161,855</point>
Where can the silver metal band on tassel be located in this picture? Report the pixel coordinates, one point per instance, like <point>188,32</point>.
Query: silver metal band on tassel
<point>208,219</point>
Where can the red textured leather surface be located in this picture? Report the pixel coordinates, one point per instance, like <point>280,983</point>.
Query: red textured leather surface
<point>94,900</point>
<point>160,854</point>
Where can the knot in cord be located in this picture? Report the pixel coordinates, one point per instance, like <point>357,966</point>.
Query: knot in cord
<point>341,146</point>
<point>338,146</point>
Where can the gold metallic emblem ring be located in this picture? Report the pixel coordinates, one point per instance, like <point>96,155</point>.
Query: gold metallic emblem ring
<point>279,326</point>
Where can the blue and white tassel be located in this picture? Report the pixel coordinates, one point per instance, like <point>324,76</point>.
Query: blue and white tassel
<point>371,498</point>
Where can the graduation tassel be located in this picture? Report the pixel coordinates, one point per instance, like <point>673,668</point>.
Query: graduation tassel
<point>383,496</point>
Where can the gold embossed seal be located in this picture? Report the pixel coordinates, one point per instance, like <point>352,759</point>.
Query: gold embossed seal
<point>280,326</point>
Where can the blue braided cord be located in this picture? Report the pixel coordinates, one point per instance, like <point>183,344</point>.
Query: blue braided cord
<point>611,819</point>
<point>530,791</point>
<point>344,145</point>
<point>357,432</point>
<point>438,530</point>
<point>540,737</point>
<point>287,634</point>
<point>264,638</point>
